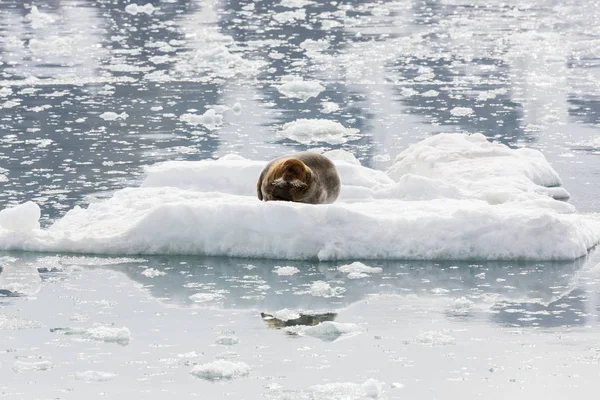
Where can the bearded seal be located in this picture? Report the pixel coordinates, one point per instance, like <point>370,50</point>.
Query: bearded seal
<point>302,177</point>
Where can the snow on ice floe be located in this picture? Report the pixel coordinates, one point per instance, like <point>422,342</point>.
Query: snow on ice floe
<point>220,370</point>
<point>107,334</point>
<point>450,196</point>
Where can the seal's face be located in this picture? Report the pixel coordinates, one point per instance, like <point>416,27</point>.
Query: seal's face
<point>287,181</point>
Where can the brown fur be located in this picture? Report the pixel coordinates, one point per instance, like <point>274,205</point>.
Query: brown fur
<point>303,177</point>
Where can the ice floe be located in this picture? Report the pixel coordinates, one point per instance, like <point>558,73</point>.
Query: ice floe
<point>295,87</point>
<point>220,370</point>
<point>450,196</point>
<point>308,131</point>
<point>106,334</point>
<point>286,271</point>
<point>327,331</point>
<point>94,376</point>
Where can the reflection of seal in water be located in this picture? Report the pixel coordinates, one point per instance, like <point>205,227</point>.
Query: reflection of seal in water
<point>303,177</point>
<point>304,319</point>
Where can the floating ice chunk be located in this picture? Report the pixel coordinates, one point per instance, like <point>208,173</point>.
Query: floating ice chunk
<point>152,273</point>
<point>94,376</point>
<point>327,331</point>
<point>38,19</point>
<point>20,279</point>
<point>328,107</point>
<point>206,297</point>
<point>107,334</point>
<point>220,370</point>
<point>435,338</point>
<point>358,267</point>
<point>296,3</point>
<point>22,218</point>
<point>450,196</point>
<point>460,306</point>
<point>210,119</point>
<point>308,131</point>
<point>5,91</point>
<point>298,88</point>
<point>112,116</point>
<point>228,340</point>
<point>371,389</point>
<point>237,108</point>
<point>286,271</point>
<point>26,366</point>
<point>135,9</point>
<point>324,289</point>
<point>14,323</point>
<point>290,16</point>
<point>460,111</point>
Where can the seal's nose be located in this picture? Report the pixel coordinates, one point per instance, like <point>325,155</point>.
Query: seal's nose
<point>281,192</point>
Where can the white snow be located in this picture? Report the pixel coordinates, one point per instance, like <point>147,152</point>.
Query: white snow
<point>309,131</point>
<point>450,196</point>
<point>135,9</point>
<point>22,218</point>
<point>94,376</point>
<point>296,87</point>
<point>112,116</point>
<point>286,314</point>
<point>220,369</point>
<point>107,334</point>
<point>286,271</point>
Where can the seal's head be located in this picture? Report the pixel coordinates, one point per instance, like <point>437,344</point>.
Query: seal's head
<point>288,180</point>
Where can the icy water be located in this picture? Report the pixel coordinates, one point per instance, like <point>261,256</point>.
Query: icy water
<point>93,91</point>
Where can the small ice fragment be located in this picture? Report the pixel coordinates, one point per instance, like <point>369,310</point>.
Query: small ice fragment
<point>94,376</point>
<point>220,370</point>
<point>359,269</point>
<point>25,366</point>
<point>301,89</point>
<point>152,273</point>
<point>135,9</point>
<point>107,334</point>
<point>210,119</point>
<point>461,111</point>
<point>308,131</point>
<point>324,289</point>
<point>434,338</point>
<point>228,340</point>
<point>112,116</point>
<point>286,271</point>
<point>206,297</point>
<point>237,108</point>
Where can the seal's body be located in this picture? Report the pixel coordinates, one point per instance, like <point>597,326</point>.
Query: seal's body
<point>302,177</point>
